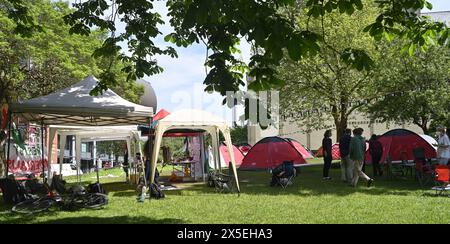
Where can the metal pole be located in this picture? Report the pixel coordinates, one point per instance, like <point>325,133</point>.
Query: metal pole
<point>9,142</point>
<point>94,151</point>
<point>42,150</point>
<point>150,145</point>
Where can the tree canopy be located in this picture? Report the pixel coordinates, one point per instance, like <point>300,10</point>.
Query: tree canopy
<point>221,24</point>
<point>416,87</point>
<point>51,58</point>
<point>321,88</point>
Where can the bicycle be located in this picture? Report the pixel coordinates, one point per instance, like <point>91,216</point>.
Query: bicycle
<point>73,202</point>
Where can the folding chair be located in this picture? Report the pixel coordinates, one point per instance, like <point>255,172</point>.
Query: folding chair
<point>424,173</point>
<point>223,183</point>
<point>442,179</point>
<point>394,170</point>
<point>284,175</point>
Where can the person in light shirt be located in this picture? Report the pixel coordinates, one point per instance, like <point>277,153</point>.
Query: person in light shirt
<point>443,147</point>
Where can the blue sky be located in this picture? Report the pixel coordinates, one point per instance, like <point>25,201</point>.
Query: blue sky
<point>439,5</point>
<point>180,85</point>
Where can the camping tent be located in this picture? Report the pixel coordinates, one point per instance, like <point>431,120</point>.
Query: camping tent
<point>334,152</point>
<point>269,152</point>
<point>244,147</point>
<point>104,133</point>
<point>225,158</point>
<point>399,145</point>
<point>300,148</point>
<point>198,120</point>
<point>430,140</point>
<point>74,106</point>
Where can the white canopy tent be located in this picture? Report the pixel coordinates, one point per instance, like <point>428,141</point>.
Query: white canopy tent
<point>83,133</point>
<point>74,106</point>
<point>193,120</point>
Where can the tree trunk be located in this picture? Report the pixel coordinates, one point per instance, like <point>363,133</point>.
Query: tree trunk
<point>341,125</point>
<point>424,126</point>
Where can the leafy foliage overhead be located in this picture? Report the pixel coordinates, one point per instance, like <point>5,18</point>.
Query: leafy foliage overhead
<point>52,59</point>
<point>221,24</point>
<point>417,87</point>
<point>325,90</point>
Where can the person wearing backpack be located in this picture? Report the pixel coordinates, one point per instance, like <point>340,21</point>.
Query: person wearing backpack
<point>376,151</point>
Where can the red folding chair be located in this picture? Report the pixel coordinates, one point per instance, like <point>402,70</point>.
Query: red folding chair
<point>442,179</point>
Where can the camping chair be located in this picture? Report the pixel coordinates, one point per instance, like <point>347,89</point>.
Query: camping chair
<point>223,183</point>
<point>394,170</point>
<point>284,174</point>
<point>424,173</point>
<point>442,179</point>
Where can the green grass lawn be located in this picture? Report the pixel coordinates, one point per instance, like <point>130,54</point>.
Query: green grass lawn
<point>309,200</point>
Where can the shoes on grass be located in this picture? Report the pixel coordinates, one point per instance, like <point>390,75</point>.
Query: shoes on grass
<point>369,182</point>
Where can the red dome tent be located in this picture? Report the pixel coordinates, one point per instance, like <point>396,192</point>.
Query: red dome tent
<point>270,152</point>
<point>334,152</point>
<point>224,155</point>
<point>399,145</point>
<point>244,147</point>
<point>301,149</point>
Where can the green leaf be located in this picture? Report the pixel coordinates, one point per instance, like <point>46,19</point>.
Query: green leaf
<point>411,49</point>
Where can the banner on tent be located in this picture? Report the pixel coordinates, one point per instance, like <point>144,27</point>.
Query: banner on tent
<point>25,161</point>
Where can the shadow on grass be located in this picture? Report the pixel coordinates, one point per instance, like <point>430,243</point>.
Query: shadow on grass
<point>96,220</point>
<point>310,183</point>
<point>8,217</point>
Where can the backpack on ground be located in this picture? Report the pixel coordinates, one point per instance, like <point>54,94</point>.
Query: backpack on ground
<point>58,185</point>
<point>32,186</point>
<point>155,191</point>
<point>13,192</point>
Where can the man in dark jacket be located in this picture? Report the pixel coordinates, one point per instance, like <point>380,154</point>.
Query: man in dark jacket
<point>376,151</point>
<point>344,147</point>
<point>327,155</point>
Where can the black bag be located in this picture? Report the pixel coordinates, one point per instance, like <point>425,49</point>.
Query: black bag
<point>211,179</point>
<point>58,184</point>
<point>13,192</point>
<point>96,188</point>
<point>34,187</point>
<point>155,192</point>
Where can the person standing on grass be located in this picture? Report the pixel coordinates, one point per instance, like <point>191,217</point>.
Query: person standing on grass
<point>344,148</point>
<point>443,150</point>
<point>376,151</point>
<point>327,157</point>
<point>356,152</point>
